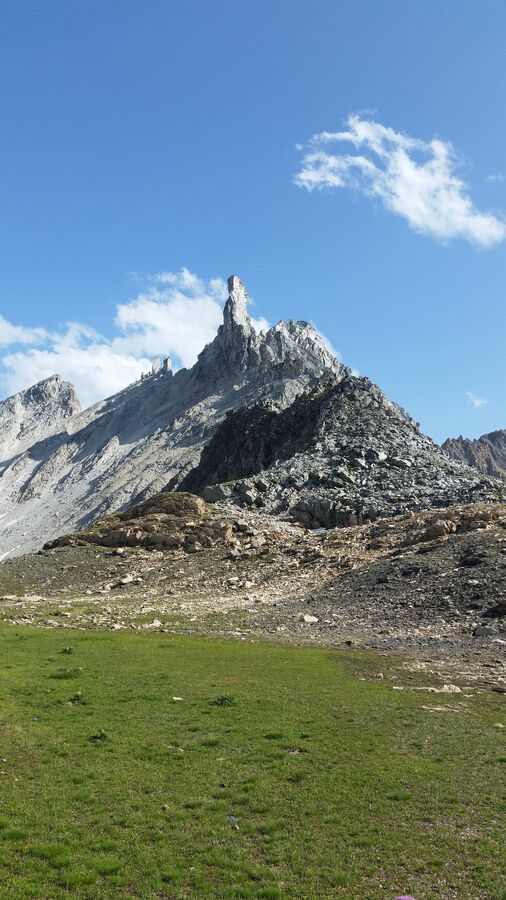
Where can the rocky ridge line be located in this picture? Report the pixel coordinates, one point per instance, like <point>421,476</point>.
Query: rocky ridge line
<point>487,453</point>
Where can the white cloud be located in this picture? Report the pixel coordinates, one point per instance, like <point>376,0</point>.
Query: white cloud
<point>165,319</point>
<point>412,178</point>
<point>94,369</point>
<point>498,177</point>
<point>475,401</point>
<point>17,334</point>
<point>260,324</point>
<point>175,313</point>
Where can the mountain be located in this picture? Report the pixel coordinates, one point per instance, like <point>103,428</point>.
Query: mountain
<point>271,421</point>
<point>35,413</point>
<point>487,453</point>
<point>129,446</point>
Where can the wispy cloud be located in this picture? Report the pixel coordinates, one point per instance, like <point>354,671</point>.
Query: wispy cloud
<point>496,178</point>
<point>413,178</point>
<point>17,334</point>
<point>175,313</point>
<point>475,401</point>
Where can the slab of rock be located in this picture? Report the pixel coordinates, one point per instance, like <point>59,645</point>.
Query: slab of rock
<point>484,631</point>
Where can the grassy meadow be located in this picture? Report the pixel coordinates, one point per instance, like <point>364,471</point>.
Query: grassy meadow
<point>282,772</point>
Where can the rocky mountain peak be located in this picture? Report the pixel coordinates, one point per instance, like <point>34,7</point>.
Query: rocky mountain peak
<point>52,391</point>
<point>35,413</point>
<point>235,347</point>
<point>287,350</point>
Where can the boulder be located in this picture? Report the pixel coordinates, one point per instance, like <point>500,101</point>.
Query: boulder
<point>213,493</point>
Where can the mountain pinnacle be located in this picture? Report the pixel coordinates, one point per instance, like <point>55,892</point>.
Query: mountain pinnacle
<point>236,307</point>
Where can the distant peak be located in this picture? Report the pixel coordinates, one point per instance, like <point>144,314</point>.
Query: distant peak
<point>50,393</point>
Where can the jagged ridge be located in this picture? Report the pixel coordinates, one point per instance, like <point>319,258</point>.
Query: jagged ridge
<point>487,453</point>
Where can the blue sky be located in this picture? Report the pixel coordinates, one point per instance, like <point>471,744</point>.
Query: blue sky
<point>166,138</point>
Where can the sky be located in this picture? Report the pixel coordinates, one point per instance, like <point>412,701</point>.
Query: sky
<point>346,158</point>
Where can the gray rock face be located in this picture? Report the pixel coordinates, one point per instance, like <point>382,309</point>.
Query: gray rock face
<point>35,413</point>
<point>128,447</point>
<point>487,453</point>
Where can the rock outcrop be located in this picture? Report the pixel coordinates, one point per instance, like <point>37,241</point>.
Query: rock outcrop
<point>487,453</point>
<point>164,522</point>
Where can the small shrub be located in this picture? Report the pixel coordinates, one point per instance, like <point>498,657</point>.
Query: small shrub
<point>224,700</point>
<point>78,779</point>
<point>68,650</point>
<point>193,804</point>
<point>272,826</point>
<point>74,878</point>
<point>99,737</point>
<point>77,698</point>
<point>339,879</point>
<point>56,855</point>
<point>270,893</point>
<point>399,796</point>
<point>14,834</point>
<point>169,875</point>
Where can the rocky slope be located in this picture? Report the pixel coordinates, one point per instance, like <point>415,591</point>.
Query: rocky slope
<point>129,446</point>
<point>340,454</point>
<point>487,453</point>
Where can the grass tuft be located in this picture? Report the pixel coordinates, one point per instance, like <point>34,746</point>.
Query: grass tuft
<point>64,673</point>
<point>100,737</point>
<point>224,700</point>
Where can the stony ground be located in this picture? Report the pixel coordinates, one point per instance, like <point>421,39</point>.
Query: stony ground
<point>431,583</point>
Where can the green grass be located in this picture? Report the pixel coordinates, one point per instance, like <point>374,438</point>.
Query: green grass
<point>279,774</point>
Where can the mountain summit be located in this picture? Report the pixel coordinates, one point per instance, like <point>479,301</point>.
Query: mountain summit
<point>34,413</point>
<point>287,350</point>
